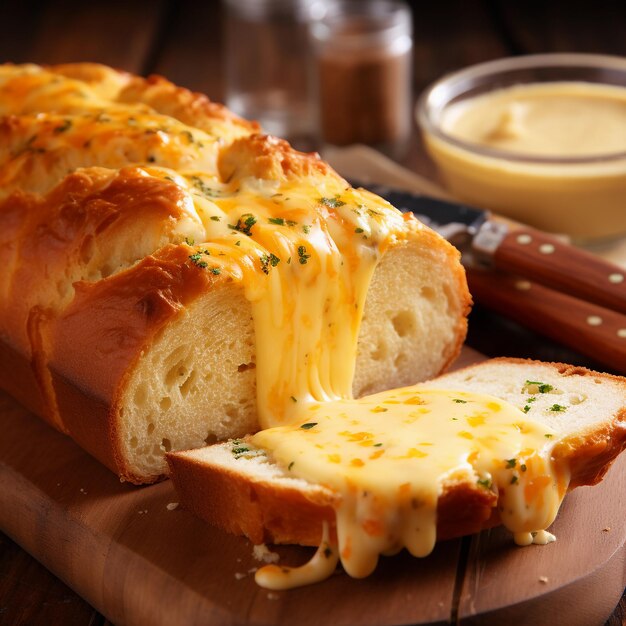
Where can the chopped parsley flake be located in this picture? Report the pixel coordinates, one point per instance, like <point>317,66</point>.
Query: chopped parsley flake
<point>514,479</point>
<point>558,408</point>
<point>189,241</point>
<point>302,255</point>
<point>484,482</point>
<point>238,242</point>
<point>377,445</point>
<point>358,230</point>
<point>203,188</point>
<point>308,425</point>
<point>306,229</point>
<point>332,203</point>
<point>293,398</point>
<point>542,387</point>
<point>548,436</point>
<point>267,260</point>
<point>523,467</point>
<point>279,221</point>
<point>459,401</point>
<point>216,271</point>
<point>215,218</point>
<point>290,465</point>
<point>510,463</point>
<point>245,223</point>
<point>66,125</point>
<point>291,223</point>
<point>197,260</point>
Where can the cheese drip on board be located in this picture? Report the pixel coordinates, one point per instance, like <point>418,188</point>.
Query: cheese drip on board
<point>388,456</point>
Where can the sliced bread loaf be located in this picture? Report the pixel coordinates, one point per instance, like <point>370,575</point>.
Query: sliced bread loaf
<point>140,227</point>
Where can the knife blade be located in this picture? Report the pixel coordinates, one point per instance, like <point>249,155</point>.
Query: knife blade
<point>487,242</point>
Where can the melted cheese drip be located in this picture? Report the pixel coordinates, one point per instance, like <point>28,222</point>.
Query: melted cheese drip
<point>320,567</point>
<point>389,469</point>
<point>305,258</point>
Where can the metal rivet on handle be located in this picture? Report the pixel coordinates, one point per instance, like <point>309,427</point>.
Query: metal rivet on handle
<point>622,333</point>
<point>524,239</point>
<point>616,278</point>
<point>594,320</point>
<point>546,248</point>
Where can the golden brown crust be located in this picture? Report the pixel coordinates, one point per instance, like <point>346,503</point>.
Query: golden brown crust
<point>98,338</point>
<point>270,513</point>
<point>189,107</point>
<point>267,157</point>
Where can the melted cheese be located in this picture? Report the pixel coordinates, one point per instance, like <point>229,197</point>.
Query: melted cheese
<point>390,455</point>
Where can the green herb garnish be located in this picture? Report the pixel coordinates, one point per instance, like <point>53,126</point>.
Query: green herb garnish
<point>332,203</point>
<point>302,255</point>
<point>66,125</point>
<point>542,387</point>
<point>308,425</point>
<point>558,408</point>
<point>245,223</point>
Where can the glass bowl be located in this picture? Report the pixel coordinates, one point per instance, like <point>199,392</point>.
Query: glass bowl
<point>582,196</point>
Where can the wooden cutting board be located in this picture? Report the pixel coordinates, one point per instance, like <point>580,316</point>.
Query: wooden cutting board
<point>140,563</point>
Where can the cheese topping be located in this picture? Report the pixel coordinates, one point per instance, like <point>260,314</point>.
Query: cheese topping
<point>388,456</point>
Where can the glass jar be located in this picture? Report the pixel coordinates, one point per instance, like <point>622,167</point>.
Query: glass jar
<point>363,53</point>
<point>268,65</point>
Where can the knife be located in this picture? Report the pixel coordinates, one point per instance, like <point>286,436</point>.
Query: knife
<point>488,242</point>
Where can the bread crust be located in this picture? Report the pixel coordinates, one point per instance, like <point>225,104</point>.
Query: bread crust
<point>271,513</point>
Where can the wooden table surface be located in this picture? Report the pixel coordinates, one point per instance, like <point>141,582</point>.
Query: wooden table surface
<point>182,40</point>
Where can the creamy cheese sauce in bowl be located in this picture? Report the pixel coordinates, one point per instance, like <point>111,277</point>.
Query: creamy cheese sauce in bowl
<point>539,138</point>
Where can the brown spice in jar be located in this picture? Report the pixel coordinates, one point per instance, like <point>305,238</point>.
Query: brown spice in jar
<point>364,95</point>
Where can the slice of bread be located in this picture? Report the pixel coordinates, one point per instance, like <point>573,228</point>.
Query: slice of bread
<point>245,493</point>
<point>115,325</point>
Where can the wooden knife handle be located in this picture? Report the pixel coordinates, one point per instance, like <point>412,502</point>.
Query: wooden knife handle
<point>592,330</point>
<point>544,259</point>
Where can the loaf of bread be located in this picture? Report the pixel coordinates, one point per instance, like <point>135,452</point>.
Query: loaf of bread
<point>172,277</point>
<point>239,488</point>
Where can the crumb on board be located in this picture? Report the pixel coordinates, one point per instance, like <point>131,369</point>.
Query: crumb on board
<point>272,596</point>
<point>262,553</point>
<point>543,579</point>
<point>142,512</point>
<point>240,575</point>
<point>607,529</point>
<point>171,506</point>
